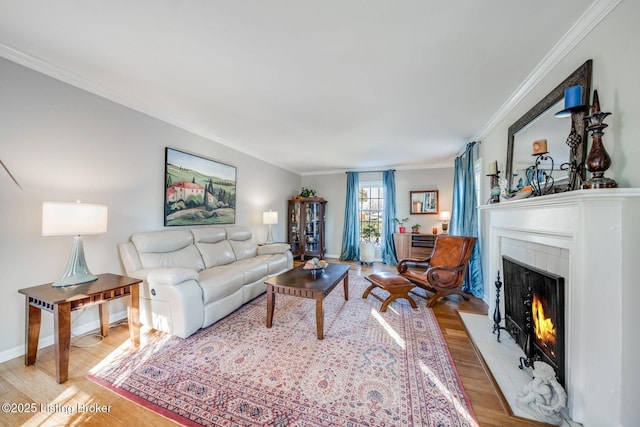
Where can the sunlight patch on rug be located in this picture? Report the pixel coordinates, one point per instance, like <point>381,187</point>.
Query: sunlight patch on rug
<point>371,369</point>
<point>387,328</point>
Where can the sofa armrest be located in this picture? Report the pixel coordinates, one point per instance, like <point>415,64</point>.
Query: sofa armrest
<point>273,248</point>
<point>130,259</point>
<point>171,276</point>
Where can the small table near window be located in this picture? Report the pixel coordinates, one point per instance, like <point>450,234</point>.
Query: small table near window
<point>62,301</point>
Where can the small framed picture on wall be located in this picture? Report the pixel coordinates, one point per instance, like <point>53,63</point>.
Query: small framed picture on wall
<point>424,202</point>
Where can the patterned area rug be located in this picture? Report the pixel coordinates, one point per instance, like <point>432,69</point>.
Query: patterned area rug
<point>371,369</point>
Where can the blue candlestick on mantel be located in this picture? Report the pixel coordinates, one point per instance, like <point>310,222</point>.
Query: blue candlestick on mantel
<point>572,100</point>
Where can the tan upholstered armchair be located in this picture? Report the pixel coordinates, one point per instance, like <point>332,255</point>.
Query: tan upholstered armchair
<point>446,267</point>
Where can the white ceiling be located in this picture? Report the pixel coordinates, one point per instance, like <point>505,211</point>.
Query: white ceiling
<point>311,86</point>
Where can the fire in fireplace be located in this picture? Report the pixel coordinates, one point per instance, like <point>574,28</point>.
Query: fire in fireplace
<point>534,313</point>
<point>543,326</point>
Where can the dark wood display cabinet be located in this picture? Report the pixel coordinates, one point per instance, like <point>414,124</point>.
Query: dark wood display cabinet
<point>305,228</point>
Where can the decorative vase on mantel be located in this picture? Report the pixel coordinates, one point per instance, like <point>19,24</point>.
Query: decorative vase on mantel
<point>598,160</point>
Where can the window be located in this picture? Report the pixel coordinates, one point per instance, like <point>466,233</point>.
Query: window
<point>370,208</point>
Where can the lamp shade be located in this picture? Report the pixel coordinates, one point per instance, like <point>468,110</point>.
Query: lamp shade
<point>63,219</point>
<point>444,216</point>
<point>270,218</point>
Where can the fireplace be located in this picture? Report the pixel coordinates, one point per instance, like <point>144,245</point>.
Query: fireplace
<point>534,314</point>
<point>590,238</point>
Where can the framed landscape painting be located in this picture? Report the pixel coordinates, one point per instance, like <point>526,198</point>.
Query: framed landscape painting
<point>197,190</point>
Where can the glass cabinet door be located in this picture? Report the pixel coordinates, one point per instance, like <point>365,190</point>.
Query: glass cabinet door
<point>306,228</point>
<point>294,228</point>
<point>312,228</point>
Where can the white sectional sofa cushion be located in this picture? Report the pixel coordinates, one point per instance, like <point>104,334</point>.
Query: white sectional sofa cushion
<point>194,277</point>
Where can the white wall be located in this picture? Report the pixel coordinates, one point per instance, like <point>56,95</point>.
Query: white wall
<point>334,188</point>
<point>613,46</point>
<point>63,144</point>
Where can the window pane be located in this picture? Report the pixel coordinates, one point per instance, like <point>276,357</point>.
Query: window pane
<point>371,209</point>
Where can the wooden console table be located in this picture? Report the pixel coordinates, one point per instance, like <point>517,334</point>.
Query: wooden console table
<point>413,245</point>
<point>62,301</point>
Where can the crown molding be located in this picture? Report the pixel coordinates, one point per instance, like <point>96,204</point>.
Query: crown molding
<point>598,10</point>
<point>73,79</point>
<point>379,169</point>
<point>587,22</point>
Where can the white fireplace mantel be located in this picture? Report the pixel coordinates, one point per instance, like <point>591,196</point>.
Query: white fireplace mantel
<point>600,231</point>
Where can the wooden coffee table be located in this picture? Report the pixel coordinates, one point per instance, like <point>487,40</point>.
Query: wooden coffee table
<point>301,283</point>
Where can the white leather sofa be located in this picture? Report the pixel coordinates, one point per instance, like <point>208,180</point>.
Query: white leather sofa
<point>193,277</point>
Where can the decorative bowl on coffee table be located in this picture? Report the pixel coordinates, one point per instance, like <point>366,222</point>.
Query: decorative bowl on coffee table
<point>315,266</point>
<point>315,271</point>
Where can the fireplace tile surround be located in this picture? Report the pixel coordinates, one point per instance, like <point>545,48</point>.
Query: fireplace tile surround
<point>592,239</point>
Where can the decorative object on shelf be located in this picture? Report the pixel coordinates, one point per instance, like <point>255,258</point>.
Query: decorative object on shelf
<point>269,218</point>
<point>198,191</point>
<point>493,168</point>
<point>523,193</point>
<point>574,140</point>
<point>540,178</point>
<point>598,160</point>
<point>572,101</point>
<point>494,176</point>
<point>424,202</point>
<point>540,146</point>
<point>400,222</point>
<point>415,228</point>
<point>434,230</point>
<point>68,219</point>
<point>307,192</point>
<point>445,216</point>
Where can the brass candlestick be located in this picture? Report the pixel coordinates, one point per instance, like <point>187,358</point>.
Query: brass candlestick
<point>598,160</point>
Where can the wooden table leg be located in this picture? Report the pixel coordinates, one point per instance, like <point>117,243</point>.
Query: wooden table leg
<point>319,317</point>
<point>133,314</point>
<point>62,336</point>
<point>33,316</point>
<point>103,312</point>
<point>271,301</point>
<point>346,287</point>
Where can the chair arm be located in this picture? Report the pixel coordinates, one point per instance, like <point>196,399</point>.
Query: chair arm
<point>403,267</point>
<point>433,274</point>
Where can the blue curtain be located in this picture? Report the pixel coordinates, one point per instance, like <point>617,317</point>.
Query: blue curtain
<point>464,217</point>
<point>388,216</point>
<point>351,230</point>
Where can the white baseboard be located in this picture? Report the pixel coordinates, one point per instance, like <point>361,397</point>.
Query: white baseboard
<point>19,351</point>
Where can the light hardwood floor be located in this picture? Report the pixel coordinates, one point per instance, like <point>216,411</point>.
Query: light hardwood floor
<point>36,384</point>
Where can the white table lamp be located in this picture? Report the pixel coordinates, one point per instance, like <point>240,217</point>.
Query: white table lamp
<point>445,216</point>
<point>269,218</point>
<point>69,219</point>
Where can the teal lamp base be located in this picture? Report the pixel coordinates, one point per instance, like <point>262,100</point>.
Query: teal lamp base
<point>77,271</point>
<point>269,236</point>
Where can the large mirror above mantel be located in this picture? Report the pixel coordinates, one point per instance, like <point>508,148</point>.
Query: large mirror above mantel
<point>540,123</point>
